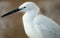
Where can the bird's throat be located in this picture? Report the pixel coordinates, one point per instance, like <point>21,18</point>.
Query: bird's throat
<point>29,16</point>
<point>28,23</point>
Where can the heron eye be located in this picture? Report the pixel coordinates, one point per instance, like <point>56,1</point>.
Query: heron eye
<point>24,7</point>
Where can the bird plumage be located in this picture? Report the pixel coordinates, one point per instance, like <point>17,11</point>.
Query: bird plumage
<point>37,25</point>
<point>48,27</point>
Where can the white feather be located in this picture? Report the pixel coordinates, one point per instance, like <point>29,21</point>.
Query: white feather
<point>37,25</point>
<point>48,28</point>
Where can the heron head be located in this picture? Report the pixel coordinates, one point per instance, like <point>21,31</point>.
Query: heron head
<point>25,7</point>
<point>29,6</point>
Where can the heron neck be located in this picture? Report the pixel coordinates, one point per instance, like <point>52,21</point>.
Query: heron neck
<point>32,13</point>
<point>28,22</point>
<point>30,16</point>
<point>28,19</point>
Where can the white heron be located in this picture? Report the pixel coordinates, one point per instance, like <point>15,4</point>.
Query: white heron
<point>37,25</point>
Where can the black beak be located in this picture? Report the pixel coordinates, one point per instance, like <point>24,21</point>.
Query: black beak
<point>11,12</point>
